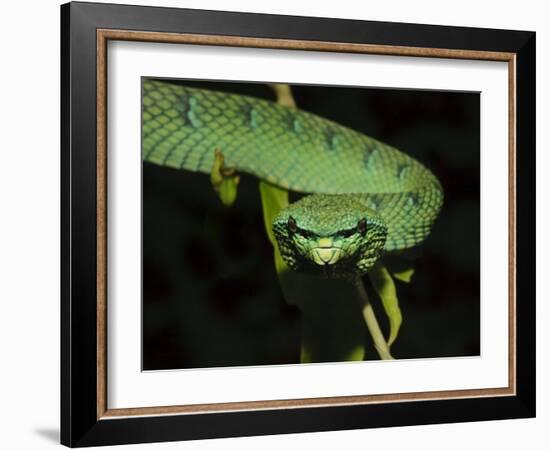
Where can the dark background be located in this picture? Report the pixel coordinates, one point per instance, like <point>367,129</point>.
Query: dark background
<point>211,296</point>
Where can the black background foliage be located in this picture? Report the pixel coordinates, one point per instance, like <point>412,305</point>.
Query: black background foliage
<point>210,293</point>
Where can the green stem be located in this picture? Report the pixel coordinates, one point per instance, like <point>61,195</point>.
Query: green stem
<point>380,343</point>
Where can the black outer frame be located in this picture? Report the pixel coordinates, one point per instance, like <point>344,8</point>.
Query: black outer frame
<point>79,423</point>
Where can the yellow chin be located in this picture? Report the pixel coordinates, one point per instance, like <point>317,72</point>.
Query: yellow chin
<point>326,255</point>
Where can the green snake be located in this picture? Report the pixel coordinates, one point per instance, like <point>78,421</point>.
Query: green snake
<point>367,198</point>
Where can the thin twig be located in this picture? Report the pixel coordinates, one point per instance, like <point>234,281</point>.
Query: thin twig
<point>380,343</point>
<point>284,95</point>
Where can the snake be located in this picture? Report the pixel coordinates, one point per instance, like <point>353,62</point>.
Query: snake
<point>361,198</point>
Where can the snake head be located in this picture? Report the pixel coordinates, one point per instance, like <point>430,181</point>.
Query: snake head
<point>330,235</point>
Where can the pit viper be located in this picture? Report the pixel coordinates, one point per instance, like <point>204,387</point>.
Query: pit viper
<point>365,198</point>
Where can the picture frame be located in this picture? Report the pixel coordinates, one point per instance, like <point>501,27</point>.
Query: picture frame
<point>86,30</point>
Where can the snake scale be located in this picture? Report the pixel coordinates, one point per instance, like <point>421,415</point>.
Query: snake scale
<point>367,198</point>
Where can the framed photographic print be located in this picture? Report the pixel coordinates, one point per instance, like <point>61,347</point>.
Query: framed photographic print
<point>276,224</point>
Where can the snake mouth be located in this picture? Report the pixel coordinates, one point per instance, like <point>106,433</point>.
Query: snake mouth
<point>324,256</point>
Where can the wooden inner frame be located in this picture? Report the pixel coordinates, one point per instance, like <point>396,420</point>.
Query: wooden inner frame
<point>103,36</point>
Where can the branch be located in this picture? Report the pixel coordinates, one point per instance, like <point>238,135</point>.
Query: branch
<point>380,343</point>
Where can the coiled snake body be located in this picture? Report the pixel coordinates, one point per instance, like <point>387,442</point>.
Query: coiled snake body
<point>368,198</point>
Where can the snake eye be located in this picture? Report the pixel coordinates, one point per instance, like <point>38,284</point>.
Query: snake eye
<point>292,225</point>
<point>362,227</point>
